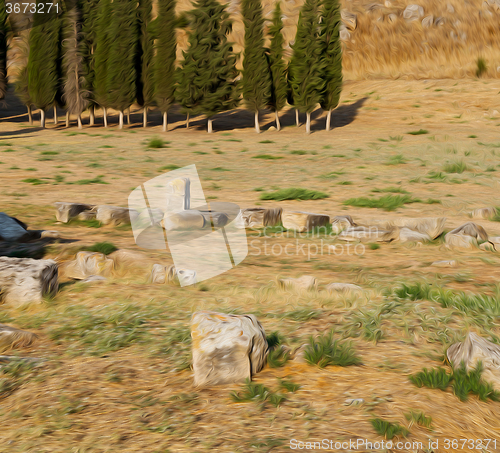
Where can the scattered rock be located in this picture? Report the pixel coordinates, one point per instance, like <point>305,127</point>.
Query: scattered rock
<point>50,234</point>
<point>226,348</point>
<point>13,230</point>
<point>349,19</point>
<point>341,222</point>
<point>354,402</point>
<point>24,280</point>
<point>413,12</point>
<point>67,211</point>
<point>392,18</point>
<point>306,282</point>
<point>449,8</point>
<point>303,221</point>
<point>476,349</point>
<point>258,217</point>
<point>94,279</point>
<point>125,257</point>
<point>466,235</point>
<point>369,234</point>
<point>186,277</point>
<point>371,8</point>
<point>439,21</point>
<point>345,288</point>
<point>444,263</point>
<point>431,226</point>
<point>87,264</point>
<point>11,338</point>
<point>115,215</point>
<point>407,235</point>
<point>344,34</point>
<point>87,215</point>
<point>483,213</point>
<point>428,21</point>
<point>161,274</point>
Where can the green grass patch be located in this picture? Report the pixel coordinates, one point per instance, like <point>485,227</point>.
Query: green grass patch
<point>396,160</point>
<point>83,182</point>
<point>169,167</point>
<point>419,132</point>
<point>325,350</point>
<point>265,142</point>
<point>267,157</point>
<point>49,153</point>
<point>219,169</point>
<point>293,194</point>
<point>388,429</point>
<point>419,418</point>
<point>101,247</point>
<point>298,152</point>
<point>387,202</point>
<point>156,143</point>
<point>455,167</point>
<point>391,190</point>
<point>34,181</point>
<point>257,393</point>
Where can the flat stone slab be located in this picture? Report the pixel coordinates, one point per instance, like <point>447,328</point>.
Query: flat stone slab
<point>303,221</point>
<point>88,264</point>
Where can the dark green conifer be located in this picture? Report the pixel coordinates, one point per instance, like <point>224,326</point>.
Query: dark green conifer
<point>332,56</point>
<point>145,59</point>
<point>256,82</point>
<point>207,74</point>
<point>121,67</point>
<point>279,87</point>
<point>3,49</point>
<point>164,60</point>
<point>101,57</point>
<point>306,65</point>
<point>43,61</point>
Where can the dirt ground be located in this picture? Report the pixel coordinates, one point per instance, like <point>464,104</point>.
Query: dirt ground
<point>115,374</point>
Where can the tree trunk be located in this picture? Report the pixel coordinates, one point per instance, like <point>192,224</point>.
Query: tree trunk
<point>187,121</point>
<point>328,118</point>
<point>55,114</point>
<point>105,116</point>
<point>42,118</point>
<point>165,122</point>
<point>128,115</point>
<point>79,118</point>
<point>210,130</point>
<point>278,125</point>
<point>120,121</point>
<point>257,126</point>
<point>92,115</point>
<point>67,118</point>
<point>145,117</point>
<point>30,115</point>
<point>297,117</point>
<point>308,123</point>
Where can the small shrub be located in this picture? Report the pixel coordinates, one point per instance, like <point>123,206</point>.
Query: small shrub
<point>266,142</point>
<point>481,67</point>
<point>293,194</point>
<point>396,160</point>
<point>34,181</point>
<point>298,152</point>
<point>419,132</point>
<point>169,167</point>
<point>387,202</point>
<point>156,143</point>
<point>455,167</point>
<point>101,247</point>
<point>219,169</point>
<point>417,291</point>
<point>388,429</point>
<point>373,246</point>
<point>325,351</point>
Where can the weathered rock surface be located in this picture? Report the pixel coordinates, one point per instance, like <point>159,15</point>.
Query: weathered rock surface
<point>369,234</point>
<point>483,213</point>
<point>24,280</point>
<point>185,220</point>
<point>476,349</point>
<point>407,235</point>
<point>94,279</point>
<point>87,264</point>
<point>349,19</point>
<point>115,215</point>
<point>226,348</point>
<point>345,288</point>
<point>125,257</point>
<point>306,282</point>
<point>13,230</point>
<point>342,222</point>
<point>444,263</point>
<point>303,221</point>
<point>258,217</point>
<point>466,236</point>
<point>413,12</point>
<point>12,338</point>
<point>50,234</point>
<point>428,21</point>
<point>162,274</point>
<point>431,226</point>
<point>67,211</point>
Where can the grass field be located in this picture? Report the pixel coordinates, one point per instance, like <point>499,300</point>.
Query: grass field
<point>115,375</point>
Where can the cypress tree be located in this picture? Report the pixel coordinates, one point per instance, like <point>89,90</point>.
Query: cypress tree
<point>3,49</point>
<point>121,68</point>
<point>279,88</point>
<point>164,60</point>
<point>332,56</point>
<point>22,91</point>
<point>145,59</point>
<point>256,76</point>
<point>306,65</point>
<point>74,92</point>
<point>101,56</point>
<point>43,61</point>
<point>207,74</point>
<point>90,9</point>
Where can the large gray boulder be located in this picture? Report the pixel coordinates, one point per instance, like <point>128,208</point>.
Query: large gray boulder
<point>466,236</point>
<point>25,280</point>
<point>226,348</point>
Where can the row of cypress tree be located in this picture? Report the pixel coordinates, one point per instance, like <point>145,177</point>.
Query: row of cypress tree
<point>112,54</point>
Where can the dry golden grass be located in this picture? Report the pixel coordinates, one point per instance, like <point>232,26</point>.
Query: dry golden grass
<point>114,376</point>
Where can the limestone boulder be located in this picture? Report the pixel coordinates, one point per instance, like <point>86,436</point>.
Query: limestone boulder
<point>407,235</point>
<point>67,211</point>
<point>25,280</point>
<point>128,258</point>
<point>476,349</point>
<point>431,226</point>
<point>12,338</point>
<point>13,230</point>
<point>306,282</point>
<point>483,213</point>
<point>413,12</point>
<point>226,348</point>
<point>87,264</point>
<point>115,215</point>
<point>303,221</point>
<point>162,274</point>
<point>466,236</point>
<point>342,222</point>
<point>258,217</point>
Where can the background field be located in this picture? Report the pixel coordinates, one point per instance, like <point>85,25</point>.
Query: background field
<point>116,376</point>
